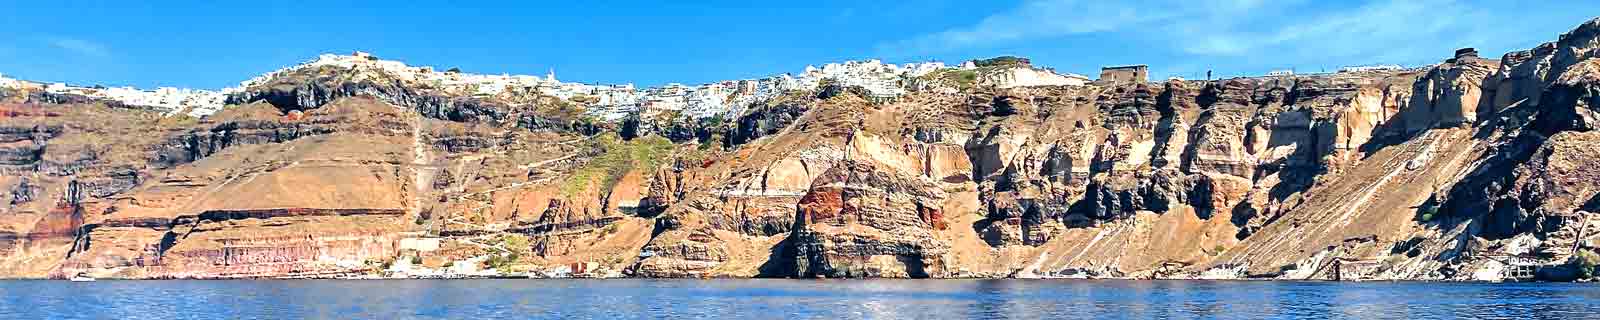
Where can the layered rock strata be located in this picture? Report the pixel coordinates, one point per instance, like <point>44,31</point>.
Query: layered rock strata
<point>1453,171</point>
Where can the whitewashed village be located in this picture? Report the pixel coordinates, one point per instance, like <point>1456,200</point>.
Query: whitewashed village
<point>612,102</point>
<point>605,102</point>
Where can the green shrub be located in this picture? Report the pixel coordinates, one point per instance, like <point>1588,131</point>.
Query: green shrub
<point>1585,261</point>
<point>516,243</point>
<point>961,79</point>
<point>618,158</point>
<point>494,261</point>
<point>713,121</point>
<point>715,140</point>
<point>501,262</point>
<point>1002,61</point>
<point>1428,209</point>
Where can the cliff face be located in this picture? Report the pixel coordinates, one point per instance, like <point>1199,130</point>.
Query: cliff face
<point>175,199</point>
<point>1397,171</point>
<point>1431,173</point>
<point>988,184</point>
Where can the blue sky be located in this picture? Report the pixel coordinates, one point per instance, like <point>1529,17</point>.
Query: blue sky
<point>211,45</point>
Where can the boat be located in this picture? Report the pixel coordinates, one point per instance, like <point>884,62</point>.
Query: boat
<point>81,278</point>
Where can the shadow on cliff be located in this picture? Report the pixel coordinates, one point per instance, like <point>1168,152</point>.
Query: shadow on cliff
<point>1490,195</point>
<point>1166,126</point>
<point>780,261</point>
<point>1313,145</point>
<point>1419,115</point>
<point>1476,196</point>
<point>1273,112</point>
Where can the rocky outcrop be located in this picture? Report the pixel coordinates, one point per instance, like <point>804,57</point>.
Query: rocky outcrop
<point>1572,102</point>
<point>114,199</point>
<point>201,143</point>
<point>667,186</point>
<point>315,87</point>
<point>860,220</point>
<point>1212,146</point>
<point>763,120</point>
<point>1533,179</point>
<point>1448,95</point>
<point>211,245</point>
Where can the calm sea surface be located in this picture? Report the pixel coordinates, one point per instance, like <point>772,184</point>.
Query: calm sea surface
<point>769,299</point>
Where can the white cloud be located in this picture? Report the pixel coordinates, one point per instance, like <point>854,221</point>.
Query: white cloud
<point>1372,29</point>
<point>80,47</point>
<point>1034,19</point>
<point>1037,19</point>
<point>1272,32</point>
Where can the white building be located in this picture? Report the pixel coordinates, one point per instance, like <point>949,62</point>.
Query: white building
<point>921,69</point>
<point>9,82</point>
<point>731,97</point>
<point>58,88</point>
<point>169,101</point>
<point>610,102</point>
<point>420,244</point>
<point>1379,67</point>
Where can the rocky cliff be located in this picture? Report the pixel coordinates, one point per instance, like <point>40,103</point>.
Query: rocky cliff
<point>1454,171</point>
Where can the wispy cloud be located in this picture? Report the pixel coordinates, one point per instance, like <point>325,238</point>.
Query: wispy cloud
<point>1266,31</point>
<point>1373,29</point>
<point>1039,19</point>
<point>1034,19</point>
<point>80,47</point>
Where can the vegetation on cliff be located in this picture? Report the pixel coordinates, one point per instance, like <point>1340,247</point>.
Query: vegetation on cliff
<point>617,158</point>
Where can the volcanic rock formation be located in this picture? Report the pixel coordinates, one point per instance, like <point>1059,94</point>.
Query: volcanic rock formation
<point>1452,171</point>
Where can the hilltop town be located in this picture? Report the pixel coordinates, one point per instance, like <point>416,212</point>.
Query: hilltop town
<point>607,102</point>
<point>613,102</point>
